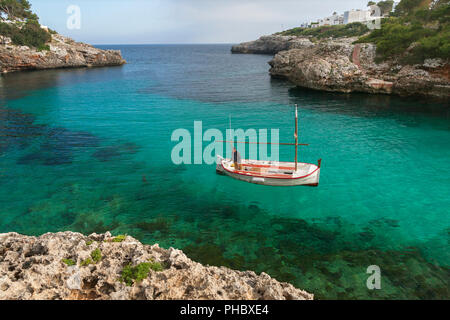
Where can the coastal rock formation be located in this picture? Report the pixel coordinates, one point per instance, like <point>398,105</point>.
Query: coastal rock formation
<point>63,266</point>
<point>339,65</point>
<point>272,44</point>
<point>63,53</point>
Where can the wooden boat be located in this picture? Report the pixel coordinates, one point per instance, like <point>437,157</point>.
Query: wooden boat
<point>272,173</point>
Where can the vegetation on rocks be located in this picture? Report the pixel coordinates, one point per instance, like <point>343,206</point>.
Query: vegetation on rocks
<point>35,262</point>
<point>21,25</point>
<point>348,30</point>
<point>385,6</point>
<point>416,31</point>
<point>138,273</point>
<point>86,262</point>
<point>69,262</point>
<point>96,255</point>
<point>16,9</point>
<point>119,238</point>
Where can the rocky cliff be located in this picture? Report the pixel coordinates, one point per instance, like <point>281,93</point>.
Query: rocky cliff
<point>272,44</point>
<point>63,53</point>
<point>73,266</point>
<point>341,66</point>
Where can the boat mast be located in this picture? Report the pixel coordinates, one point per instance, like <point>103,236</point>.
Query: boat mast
<point>231,139</point>
<point>296,137</point>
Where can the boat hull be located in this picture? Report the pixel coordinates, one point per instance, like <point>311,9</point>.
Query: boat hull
<point>306,175</point>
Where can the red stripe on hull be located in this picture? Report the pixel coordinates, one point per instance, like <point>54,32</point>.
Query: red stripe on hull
<point>246,173</point>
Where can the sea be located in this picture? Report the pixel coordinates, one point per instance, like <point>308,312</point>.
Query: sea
<point>90,150</point>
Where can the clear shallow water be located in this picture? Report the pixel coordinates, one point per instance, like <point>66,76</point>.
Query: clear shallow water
<point>89,151</point>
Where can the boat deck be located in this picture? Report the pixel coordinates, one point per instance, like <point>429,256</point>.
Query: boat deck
<point>278,170</point>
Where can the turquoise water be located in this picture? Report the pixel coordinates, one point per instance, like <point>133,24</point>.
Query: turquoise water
<point>89,151</point>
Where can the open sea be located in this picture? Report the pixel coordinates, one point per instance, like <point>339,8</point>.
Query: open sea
<point>89,150</point>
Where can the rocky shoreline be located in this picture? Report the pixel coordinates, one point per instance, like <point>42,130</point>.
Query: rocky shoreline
<point>64,53</point>
<point>69,265</point>
<point>339,65</point>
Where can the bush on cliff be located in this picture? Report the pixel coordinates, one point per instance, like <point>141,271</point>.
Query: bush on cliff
<point>416,33</point>
<point>96,255</point>
<point>32,35</point>
<point>68,262</point>
<point>385,6</point>
<point>23,26</point>
<point>348,30</point>
<point>138,273</point>
<point>16,9</point>
<point>407,6</point>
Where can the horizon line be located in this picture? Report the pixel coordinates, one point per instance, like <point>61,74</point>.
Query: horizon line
<point>162,43</point>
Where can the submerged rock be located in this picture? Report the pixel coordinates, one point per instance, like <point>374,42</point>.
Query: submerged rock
<point>111,152</point>
<point>63,266</point>
<point>63,53</point>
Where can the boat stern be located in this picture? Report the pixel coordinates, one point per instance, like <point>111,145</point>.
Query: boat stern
<point>316,176</point>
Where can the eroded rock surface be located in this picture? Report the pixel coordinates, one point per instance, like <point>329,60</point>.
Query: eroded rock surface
<point>339,65</point>
<point>272,44</point>
<point>33,268</point>
<point>64,53</point>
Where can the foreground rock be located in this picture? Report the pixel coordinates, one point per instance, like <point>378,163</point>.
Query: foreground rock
<point>33,268</point>
<point>64,53</point>
<point>340,66</point>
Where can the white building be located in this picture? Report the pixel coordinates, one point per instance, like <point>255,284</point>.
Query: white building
<point>357,16</point>
<point>304,25</point>
<point>362,16</point>
<point>336,19</point>
<point>333,20</point>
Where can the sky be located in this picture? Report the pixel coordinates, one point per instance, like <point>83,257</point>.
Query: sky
<point>183,21</point>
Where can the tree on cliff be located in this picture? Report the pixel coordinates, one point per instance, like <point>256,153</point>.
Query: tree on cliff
<point>386,6</point>
<point>408,6</point>
<point>26,33</point>
<point>16,9</point>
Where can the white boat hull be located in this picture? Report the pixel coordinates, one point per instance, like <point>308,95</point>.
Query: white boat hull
<point>271,173</point>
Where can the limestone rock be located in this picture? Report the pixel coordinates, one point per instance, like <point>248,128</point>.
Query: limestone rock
<point>272,44</point>
<point>339,65</point>
<point>33,268</point>
<point>63,53</point>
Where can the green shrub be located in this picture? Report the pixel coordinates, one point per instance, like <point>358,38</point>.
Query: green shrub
<point>43,47</point>
<point>69,262</point>
<point>89,242</point>
<point>408,6</point>
<point>138,273</point>
<point>30,34</point>
<point>427,29</point>
<point>25,29</point>
<point>86,262</point>
<point>156,266</point>
<point>119,238</point>
<point>348,30</point>
<point>385,6</point>
<point>96,255</point>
